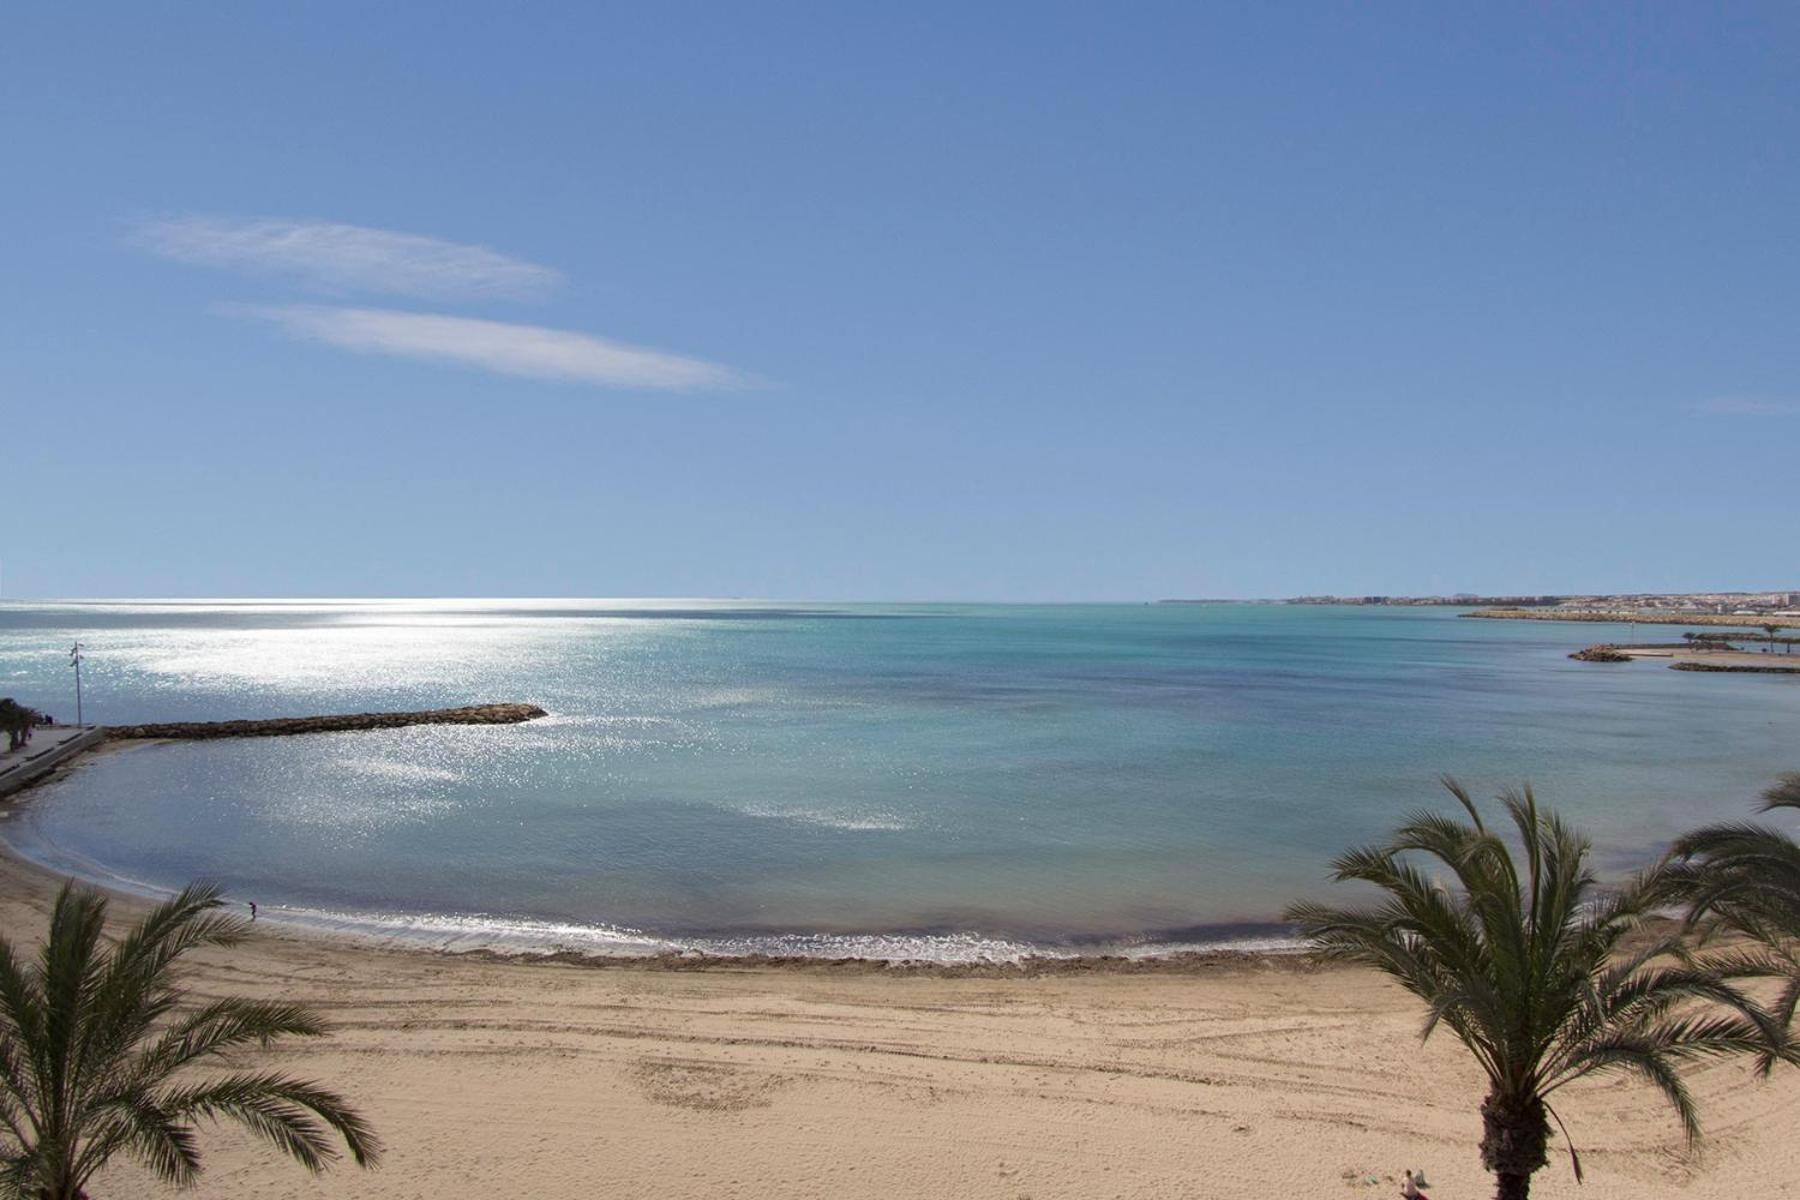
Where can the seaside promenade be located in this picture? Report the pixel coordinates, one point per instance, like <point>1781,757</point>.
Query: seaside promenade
<point>50,746</point>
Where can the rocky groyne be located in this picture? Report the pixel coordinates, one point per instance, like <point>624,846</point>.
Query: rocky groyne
<point>1601,654</point>
<point>475,714</point>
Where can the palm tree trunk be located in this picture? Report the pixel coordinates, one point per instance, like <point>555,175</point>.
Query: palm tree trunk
<point>1515,1142</point>
<point>1512,1187</point>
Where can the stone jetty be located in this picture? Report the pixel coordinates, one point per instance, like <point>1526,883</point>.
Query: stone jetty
<point>475,714</point>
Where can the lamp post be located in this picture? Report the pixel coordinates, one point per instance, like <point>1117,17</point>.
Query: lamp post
<point>75,661</point>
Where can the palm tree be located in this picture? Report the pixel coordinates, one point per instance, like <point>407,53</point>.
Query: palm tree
<point>1529,965</point>
<point>96,1042</point>
<point>16,721</point>
<point>1743,877</point>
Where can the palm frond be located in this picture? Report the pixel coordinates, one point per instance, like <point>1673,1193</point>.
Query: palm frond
<point>222,1026</point>
<point>1546,976</point>
<point>293,1114</point>
<point>1783,793</point>
<point>96,1053</point>
<point>144,1128</point>
<point>1624,1053</point>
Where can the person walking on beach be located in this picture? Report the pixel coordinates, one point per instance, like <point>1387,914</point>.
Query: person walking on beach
<point>253,917</point>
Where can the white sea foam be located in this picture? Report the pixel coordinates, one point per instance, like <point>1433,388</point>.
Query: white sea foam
<point>516,935</point>
<point>869,821</point>
<point>478,931</point>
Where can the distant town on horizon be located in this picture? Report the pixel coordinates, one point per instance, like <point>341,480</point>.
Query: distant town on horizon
<point>1774,603</point>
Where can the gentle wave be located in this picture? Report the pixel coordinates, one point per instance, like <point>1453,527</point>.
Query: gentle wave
<point>524,936</point>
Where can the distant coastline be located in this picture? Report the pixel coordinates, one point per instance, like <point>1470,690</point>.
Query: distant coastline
<point>1739,620</point>
<point>1649,607</point>
<point>1457,601</point>
<point>1780,607</point>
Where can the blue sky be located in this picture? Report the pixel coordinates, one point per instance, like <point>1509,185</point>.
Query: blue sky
<point>902,301</point>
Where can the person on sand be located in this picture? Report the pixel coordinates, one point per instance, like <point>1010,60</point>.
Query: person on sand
<point>253,917</point>
<point>1411,1185</point>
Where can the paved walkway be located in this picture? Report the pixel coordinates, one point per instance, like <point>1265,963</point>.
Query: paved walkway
<point>49,745</point>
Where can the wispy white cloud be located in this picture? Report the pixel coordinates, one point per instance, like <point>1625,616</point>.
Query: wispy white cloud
<point>1739,406</point>
<point>347,257</point>
<point>531,351</point>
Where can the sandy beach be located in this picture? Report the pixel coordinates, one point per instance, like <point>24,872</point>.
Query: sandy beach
<point>549,1080</point>
<point>1685,658</point>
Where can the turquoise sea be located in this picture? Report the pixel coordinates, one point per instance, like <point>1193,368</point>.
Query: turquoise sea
<point>902,780</point>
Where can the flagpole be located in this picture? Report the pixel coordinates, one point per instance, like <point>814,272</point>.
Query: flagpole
<point>75,661</point>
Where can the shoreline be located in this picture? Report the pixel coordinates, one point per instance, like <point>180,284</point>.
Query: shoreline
<point>43,879</point>
<point>488,938</point>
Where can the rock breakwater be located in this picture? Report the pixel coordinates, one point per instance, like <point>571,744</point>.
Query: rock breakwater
<point>475,714</point>
<point>1601,654</point>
